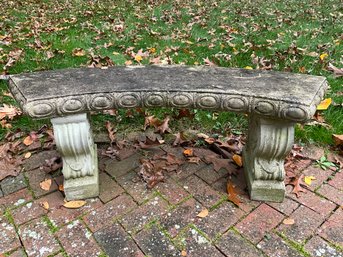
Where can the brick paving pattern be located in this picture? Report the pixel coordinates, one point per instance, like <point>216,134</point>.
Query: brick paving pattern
<point>127,219</point>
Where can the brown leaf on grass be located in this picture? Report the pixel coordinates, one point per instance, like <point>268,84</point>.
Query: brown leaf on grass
<point>151,121</point>
<point>164,127</point>
<point>14,56</point>
<point>74,204</point>
<point>203,213</point>
<point>78,52</point>
<point>184,113</point>
<point>232,195</point>
<point>98,61</point>
<point>208,62</point>
<point>337,72</point>
<point>46,184</point>
<point>111,131</point>
<point>9,111</point>
<point>298,184</point>
<point>180,139</point>
<point>338,139</point>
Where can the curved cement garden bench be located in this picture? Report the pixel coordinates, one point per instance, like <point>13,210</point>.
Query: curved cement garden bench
<point>275,101</point>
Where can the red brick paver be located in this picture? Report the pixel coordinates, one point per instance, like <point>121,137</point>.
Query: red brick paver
<point>331,193</point>
<point>306,221</point>
<point>78,241</point>
<point>106,214</point>
<point>259,222</point>
<point>8,237</point>
<point>233,245</point>
<point>316,246</point>
<point>276,246</point>
<point>37,239</point>
<point>333,227</point>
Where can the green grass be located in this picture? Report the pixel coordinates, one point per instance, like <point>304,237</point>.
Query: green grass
<point>229,33</point>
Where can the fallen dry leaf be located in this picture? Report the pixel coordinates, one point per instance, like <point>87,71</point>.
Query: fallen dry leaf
<point>203,213</point>
<point>61,187</point>
<point>74,204</point>
<point>338,139</point>
<point>188,152</point>
<point>151,121</point>
<point>111,131</point>
<point>337,72</point>
<point>297,184</point>
<point>308,179</point>
<point>288,221</point>
<point>232,195</point>
<point>45,205</point>
<point>164,127</point>
<point>184,113</point>
<point>27,141</point>
<point>324,104</point>
<point>183,253</point>
<point>237,159</point>
<point>27,155</point>
<point>78,52</point>
<point>194,159</point>
<point>9,111</point>
<point>45,185</point>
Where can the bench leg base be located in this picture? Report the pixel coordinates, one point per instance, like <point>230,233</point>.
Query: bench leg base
<point>269,142</point>
<point>84,187</point>
<point>75,143</point>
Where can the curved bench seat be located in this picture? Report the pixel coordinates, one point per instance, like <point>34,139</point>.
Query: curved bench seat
<point>273,100</point>
<point>272,94</point>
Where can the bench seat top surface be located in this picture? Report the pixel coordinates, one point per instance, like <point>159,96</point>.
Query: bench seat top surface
<point>170,85</point>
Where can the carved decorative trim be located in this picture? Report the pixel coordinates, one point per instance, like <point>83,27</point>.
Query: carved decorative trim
<point>264,107</point>
<point>269,142</point>
<point>75,143</point>
<point>186,98</point>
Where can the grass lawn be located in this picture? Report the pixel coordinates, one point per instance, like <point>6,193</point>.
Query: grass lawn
<point>295,36</point>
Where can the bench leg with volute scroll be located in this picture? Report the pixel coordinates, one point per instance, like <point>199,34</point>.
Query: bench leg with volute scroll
<point>269,142</point>
<point>75,143</point>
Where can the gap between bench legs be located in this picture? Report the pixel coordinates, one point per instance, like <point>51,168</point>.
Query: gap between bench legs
<point>269,142</point>
<point>75,143</point>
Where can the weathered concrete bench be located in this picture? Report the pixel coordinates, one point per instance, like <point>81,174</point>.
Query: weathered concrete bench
<point>275,101</point>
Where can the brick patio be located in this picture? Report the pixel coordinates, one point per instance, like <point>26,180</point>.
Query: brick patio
<point>127,219</point>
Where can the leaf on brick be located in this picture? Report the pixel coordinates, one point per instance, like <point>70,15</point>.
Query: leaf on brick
<point>74,204</point>
<point>45,205</point>
<point>298,184</point>
<point>188,152</point>
<point>45,185</point>
<point>237,159</point>
<point>308,179</point>
<point>194,159</point>
<point>203,213</point>
<point>288,221</point>
<point>232,195</point>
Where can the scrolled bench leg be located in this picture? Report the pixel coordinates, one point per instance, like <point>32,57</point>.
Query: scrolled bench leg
<point>269,142</point>
<point>74,141</point>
